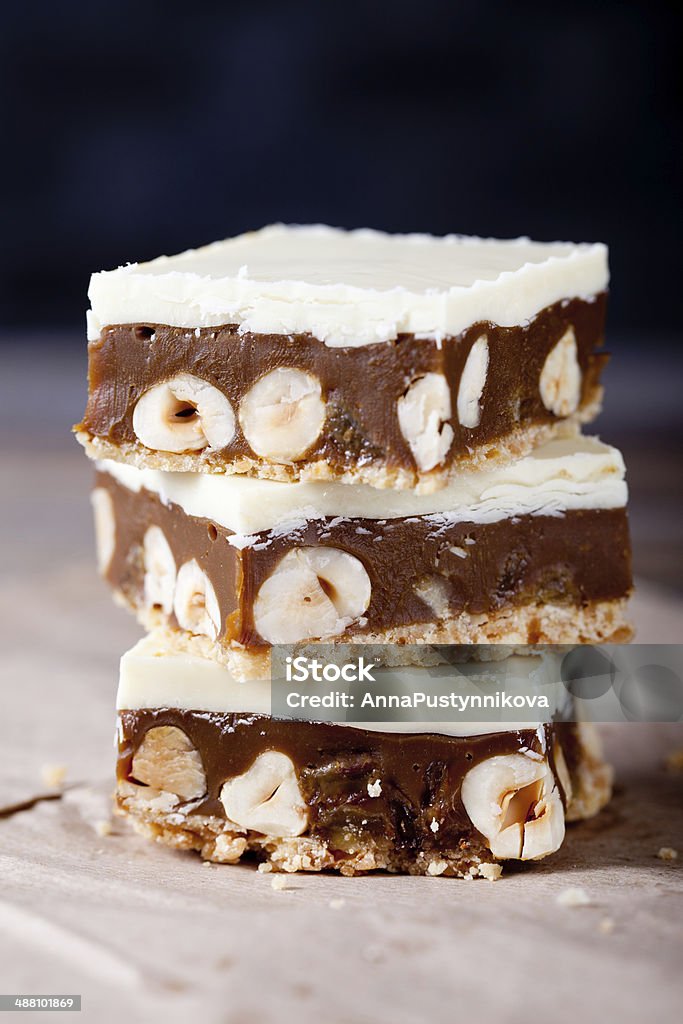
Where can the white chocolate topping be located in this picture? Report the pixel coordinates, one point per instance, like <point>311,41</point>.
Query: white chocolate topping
<point>154,674</point>
<point>348,288</point>
<point>560,476</point>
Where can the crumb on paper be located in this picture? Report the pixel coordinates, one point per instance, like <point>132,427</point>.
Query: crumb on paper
<point>436,867</point>
<point>434,825</point>
<point>278,882</point>
<point>53,775</point>
<point>667,853</point>
<point>606,926</point>
<point>337,904</point>
<point>103,827</point>
<point>573,897</point>
<point>265,867</point>
<point>492,872</point>
<point>375,788</point>
<point>674,760</point>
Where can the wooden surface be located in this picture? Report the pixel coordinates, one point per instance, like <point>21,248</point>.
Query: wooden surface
<point>146,934</point>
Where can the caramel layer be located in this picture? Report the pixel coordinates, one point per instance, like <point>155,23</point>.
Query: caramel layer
<point>338,768</point>
<point>361,386</point>
<point>575,559</point>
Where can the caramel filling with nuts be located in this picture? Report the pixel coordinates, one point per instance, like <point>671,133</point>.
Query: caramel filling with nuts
<point>410,404</point>
<point>353,782</point>
<point>397,572</point>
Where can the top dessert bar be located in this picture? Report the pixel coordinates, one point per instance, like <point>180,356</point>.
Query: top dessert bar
<point>304,353</point>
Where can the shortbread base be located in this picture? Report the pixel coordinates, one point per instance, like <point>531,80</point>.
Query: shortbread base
<point>512,446</point>
<point>537,624</point>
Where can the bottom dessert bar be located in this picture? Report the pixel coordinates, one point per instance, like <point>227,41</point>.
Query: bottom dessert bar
<point>203,766</point>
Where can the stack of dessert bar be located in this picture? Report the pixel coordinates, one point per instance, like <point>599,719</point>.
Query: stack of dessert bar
<point>304,435</point>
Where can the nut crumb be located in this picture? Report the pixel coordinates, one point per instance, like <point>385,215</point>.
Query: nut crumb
<point>265,867</point>
<point>606,926</point>
<point>375,788</point>
<point>103,828</point>
<point>53,775</point>
<point>278,882</point>
<point>337,904</point>
<point>573,898</point>
<point>436,867</point>
<point>674,761</point>
<point>667,853</point>
<point>434,825</point>
<point>492,872</point>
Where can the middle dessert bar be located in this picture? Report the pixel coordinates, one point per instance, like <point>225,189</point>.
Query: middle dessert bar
<point>534,552</point>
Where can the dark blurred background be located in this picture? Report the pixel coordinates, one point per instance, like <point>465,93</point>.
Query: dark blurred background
<point>134,129</point>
